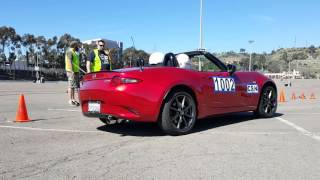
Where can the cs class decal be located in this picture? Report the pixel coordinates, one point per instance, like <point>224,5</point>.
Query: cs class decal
<point>252,88</point>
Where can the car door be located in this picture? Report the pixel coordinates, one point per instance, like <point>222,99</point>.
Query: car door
<point>251,88</point>
<point>222,90</point>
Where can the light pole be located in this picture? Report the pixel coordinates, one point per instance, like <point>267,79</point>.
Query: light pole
<point>134,47</point>
<point>250,61</point>
<point>200,38</point>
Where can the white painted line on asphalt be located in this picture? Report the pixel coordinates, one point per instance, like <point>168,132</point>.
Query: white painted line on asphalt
<point>248,133</point>
<point>79,131</point>
<point>52,130</point>
<point>300,129</point>
<point>303,113</point>
<point>70,110</point>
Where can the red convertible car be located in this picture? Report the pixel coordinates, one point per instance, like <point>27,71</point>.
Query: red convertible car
<point>176,90</point>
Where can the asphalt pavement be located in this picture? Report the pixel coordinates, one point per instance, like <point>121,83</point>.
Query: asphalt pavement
<point>60,143</point>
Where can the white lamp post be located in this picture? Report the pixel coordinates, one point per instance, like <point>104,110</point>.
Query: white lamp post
<point>250,61</point>
<point>200,38</point>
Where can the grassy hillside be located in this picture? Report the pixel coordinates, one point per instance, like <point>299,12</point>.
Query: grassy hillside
<point>305,60</point>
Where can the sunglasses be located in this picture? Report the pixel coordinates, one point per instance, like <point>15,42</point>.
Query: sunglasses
<point>101,45</point>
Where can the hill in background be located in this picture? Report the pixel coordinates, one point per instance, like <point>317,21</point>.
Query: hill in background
<point>305,60</point>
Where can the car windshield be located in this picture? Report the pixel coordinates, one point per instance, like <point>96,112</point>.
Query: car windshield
<point>202,63</point>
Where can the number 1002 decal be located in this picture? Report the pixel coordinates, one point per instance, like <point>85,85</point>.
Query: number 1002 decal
<point>222,84</point>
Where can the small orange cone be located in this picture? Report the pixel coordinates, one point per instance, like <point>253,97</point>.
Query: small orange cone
<point>302,97</point>
<point>312,96</point>
<point>293,97</point>
<point>22,114</point>
<point>282,96</point>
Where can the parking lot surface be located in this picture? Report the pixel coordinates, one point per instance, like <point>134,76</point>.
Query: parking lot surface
<point>60,143</point>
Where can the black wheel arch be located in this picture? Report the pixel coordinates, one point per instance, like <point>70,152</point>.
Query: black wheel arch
<point>270,83</point>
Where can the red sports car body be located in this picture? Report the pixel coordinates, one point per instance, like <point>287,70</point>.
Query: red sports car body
<point>176,97</point>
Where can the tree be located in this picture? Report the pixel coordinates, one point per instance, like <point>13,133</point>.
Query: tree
<point>3,58</point>
<point>273,67</point>
<point>285,57</point>
<point>299,56</point>
<point>242,50</point>
<point>312,49</point>
<point>130,55</point>
<point>62,45</point>
<point>7,35</point>
<point>65,40</point>
<point>262,61</point>
<point>16,42</point>
<point>255,61</point>
<point>29,41</point>
<point>12,57</point>
<point>244,63</point>
<point>41,42</point>
<point>50,51</point>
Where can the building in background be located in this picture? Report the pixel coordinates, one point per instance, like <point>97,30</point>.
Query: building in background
<point>285,75</point>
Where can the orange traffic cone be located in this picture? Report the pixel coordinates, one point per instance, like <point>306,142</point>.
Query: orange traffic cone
<point>312,96</point>
<point>302,97</point>
<point>293,97</point>
<point>282,96</point>
<point>22,114</point>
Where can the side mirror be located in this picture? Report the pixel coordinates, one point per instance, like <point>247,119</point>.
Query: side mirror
<point>231,68</point>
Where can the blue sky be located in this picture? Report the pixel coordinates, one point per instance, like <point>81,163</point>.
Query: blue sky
<point>172,25</point>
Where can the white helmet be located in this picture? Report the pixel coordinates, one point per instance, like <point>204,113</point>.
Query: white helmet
<point>156,58</point>
<point>184,61</point>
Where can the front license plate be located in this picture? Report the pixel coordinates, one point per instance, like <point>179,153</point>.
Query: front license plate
<point>94,107</point>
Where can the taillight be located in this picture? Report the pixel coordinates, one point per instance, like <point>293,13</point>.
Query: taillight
<point>97,76</point>
<point>116,80</point>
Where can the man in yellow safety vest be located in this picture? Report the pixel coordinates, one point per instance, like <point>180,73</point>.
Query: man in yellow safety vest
<point>98,59</point>
<point>72,63</point>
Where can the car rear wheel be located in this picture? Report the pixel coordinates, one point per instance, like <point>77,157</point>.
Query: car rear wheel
<point>179,113</point>
<point>268,103</point>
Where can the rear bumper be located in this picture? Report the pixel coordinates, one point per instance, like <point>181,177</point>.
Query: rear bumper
<point>99,115</point>
<point>124,101</point>
<point>119,111</point>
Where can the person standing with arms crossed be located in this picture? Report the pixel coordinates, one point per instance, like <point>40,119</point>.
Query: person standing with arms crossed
<point>99,59</point>
<point>72,62</point>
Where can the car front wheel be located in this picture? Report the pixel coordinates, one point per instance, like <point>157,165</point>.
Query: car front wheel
<point>268,103</point>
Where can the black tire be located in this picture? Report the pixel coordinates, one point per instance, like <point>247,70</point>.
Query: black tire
<point>268,103</point>
<point>178,114</point>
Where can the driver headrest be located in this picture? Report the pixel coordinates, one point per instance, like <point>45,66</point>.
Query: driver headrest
<point>184,61</point>
<point>170,60</point>
<point>156,58</point>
